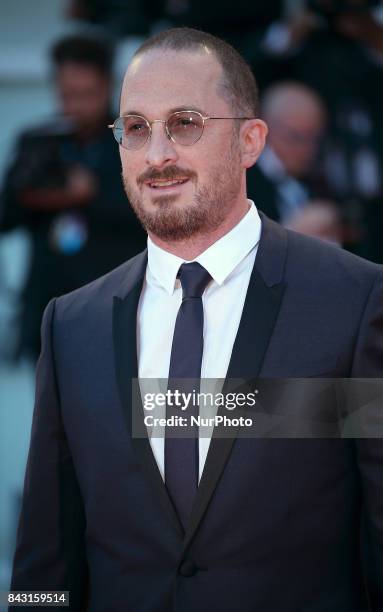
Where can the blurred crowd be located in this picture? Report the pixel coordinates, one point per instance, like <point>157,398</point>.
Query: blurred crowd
<point>319,67</point>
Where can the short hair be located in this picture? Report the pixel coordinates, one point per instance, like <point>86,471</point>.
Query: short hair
<point>238,86</point>
<point>93,51</point>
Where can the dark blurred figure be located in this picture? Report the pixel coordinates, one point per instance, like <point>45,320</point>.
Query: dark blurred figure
<point>336,47</point>
<point>288,174</point>
<point>241,23</point>
<point>118,17</point>
<point>65,186</point>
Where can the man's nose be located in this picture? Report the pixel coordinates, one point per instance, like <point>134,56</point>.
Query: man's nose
<point>160,148</point>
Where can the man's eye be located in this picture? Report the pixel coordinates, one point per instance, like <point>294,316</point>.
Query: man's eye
<point>185,122</point>
<point>135,127</point>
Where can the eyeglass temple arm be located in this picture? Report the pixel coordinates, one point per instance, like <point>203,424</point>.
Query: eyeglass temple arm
<point>239,118</point>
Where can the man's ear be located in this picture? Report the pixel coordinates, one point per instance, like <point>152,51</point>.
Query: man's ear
<point>252,140</point>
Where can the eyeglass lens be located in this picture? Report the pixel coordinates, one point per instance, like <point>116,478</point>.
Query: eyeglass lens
<point>184,127</point>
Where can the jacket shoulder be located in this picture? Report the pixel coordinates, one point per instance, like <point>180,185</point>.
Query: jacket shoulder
<point>321,260</point>
<point>310,263</point>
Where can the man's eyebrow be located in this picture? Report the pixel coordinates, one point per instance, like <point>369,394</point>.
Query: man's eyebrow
<point>131,112</point>
<point>187,107</point>
<point>176,109</point>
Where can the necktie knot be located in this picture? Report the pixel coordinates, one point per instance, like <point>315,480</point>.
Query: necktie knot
<point>194,279</point>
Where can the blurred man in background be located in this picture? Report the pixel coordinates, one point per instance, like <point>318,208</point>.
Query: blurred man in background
<point>287,176</point>
<point>64,185</point>
<point>336,48</point>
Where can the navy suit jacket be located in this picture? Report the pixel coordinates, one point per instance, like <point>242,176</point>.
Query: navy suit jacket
<point>276,523</point>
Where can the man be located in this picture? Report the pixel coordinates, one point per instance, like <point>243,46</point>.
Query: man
<point>64,187</point>
<point>282,182</point>
<point>286,183</point>
<point>335,47</point>
<point>274,524</point>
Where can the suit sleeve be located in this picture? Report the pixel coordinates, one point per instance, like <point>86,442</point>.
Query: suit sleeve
<point>50,550</point>
<point>368,363</point>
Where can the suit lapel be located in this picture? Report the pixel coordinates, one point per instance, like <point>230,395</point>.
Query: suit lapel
<point>125,348</point>
<point>260,312</point>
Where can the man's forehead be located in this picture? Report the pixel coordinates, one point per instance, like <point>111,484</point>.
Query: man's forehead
<point>202,57</point>
<point>167,74</point>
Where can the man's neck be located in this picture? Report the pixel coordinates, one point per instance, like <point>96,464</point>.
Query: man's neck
<point>193,247</point>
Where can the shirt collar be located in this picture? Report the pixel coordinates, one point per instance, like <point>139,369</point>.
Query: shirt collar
<point>220,259</point>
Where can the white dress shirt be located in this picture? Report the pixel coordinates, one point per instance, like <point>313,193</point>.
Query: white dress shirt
<point>229,262</point>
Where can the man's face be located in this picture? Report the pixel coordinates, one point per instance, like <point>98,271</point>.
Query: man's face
<point>210,171</point>
<point>296,139</point>
<point>84,94</point>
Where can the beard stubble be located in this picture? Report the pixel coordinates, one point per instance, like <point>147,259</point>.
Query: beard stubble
<point>208,208</point>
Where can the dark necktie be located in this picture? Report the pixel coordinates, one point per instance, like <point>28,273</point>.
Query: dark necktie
<point>181,454</point>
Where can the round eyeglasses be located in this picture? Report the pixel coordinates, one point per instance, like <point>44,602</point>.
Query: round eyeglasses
<point>182,127</point>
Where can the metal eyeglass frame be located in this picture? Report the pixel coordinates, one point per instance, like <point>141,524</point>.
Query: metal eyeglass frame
<point>165,122</point>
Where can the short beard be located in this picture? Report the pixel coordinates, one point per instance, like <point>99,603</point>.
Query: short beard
<point>207,211</point>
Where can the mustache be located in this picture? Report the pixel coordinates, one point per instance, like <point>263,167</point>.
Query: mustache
<point>168,173</point>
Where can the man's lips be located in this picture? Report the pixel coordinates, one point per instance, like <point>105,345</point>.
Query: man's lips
<point>165,183</point>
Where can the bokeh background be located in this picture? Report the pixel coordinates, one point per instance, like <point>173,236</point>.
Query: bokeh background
<point>319,66</point>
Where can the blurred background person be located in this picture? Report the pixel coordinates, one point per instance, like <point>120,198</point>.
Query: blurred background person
<point>64,185</point>
<point>242,24</point>
<point>321,219</point>
<point>336,48</point>
<point>121,18</point>
<point>288,175</point>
